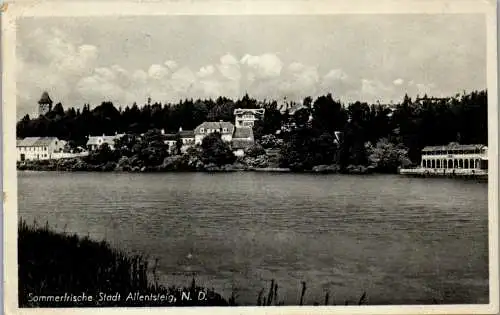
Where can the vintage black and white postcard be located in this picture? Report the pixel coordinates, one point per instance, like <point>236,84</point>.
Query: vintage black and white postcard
<point>278,157</point>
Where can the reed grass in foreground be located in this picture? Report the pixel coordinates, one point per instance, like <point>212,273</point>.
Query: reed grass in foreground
<point>62,270</point>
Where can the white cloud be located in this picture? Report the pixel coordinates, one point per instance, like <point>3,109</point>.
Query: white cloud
<point>373,90</point>
<point>205,71</point>
<point>71,69</point>
<point>171,64</point>
<point>157,72</point>
<point>140,77</point>
<point>229,67</point>
<point>299,81</point>
<point>398,81</point>
<point>263,66</point>
<point>57,66</point>
<point>182,80</point>
<point>334,75</point>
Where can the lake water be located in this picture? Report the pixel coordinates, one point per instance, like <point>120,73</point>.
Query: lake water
<point>402,240</point>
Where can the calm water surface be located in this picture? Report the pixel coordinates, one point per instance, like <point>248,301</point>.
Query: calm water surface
<point>402,240</point>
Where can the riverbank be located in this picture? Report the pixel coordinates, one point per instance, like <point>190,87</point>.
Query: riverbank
<point>64,270</point>
<point>177,164</point>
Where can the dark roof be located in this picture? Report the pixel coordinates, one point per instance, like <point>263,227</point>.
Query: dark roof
<point>454,146</point>
<point>35,141</point>
<point>186,134</point>
<point>170,136</point>
<point>216,125</point>
<point>243,133</point>
<point>241,144</point>
<point>45,98</point>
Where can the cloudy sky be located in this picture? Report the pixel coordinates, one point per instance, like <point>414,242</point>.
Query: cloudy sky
<point>356,57</point>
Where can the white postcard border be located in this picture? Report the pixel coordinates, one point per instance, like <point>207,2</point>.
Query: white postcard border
<point>16,9</point>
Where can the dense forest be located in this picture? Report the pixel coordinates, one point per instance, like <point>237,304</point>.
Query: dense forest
<point>391,135</point>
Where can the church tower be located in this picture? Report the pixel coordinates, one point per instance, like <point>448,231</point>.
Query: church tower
<point>44,104</point>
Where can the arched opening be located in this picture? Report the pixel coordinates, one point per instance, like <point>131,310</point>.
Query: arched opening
<point>445,164</point>
<point>461,163</point>
<point>477,163</point>
<point>466,163</point>
<point>455,163</point>
<point>438,164</point>
<point>433,163</point>
<point>450,164</point>
<point>471,163</point>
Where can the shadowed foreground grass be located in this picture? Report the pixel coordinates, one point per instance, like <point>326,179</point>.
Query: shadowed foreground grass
<point>62,270</point>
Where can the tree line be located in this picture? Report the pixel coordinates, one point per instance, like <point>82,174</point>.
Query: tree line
<point>370,133</point>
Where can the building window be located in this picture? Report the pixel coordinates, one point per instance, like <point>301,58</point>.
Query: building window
<point>461,163</point>
<point>466,163</point>
<point>438,164</point>
<point>224,130</point>
<point>450,164</point>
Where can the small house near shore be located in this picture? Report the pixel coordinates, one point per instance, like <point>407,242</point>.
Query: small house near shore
<point>224,128</point>
<point>95,142</point>
<point>38,148</point>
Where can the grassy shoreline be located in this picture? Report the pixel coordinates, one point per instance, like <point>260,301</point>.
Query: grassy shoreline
<point>64,270</point>
<point>58,264</point>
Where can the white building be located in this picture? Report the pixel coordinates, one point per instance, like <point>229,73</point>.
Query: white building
<point>38,148</point>
<point>455,156</point>
<point>246,117</point>
<point>95,142</point>
<point>224,128</point>
<point>170,139</point>
<point>187,138</point>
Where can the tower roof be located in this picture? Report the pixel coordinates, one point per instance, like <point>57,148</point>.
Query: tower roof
<point>45,98</point>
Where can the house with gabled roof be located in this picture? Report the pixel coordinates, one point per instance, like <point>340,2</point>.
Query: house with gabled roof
<point>224,128</point>
<point>38,148</point>
<point>95,142</point>
<point>246,117</point>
